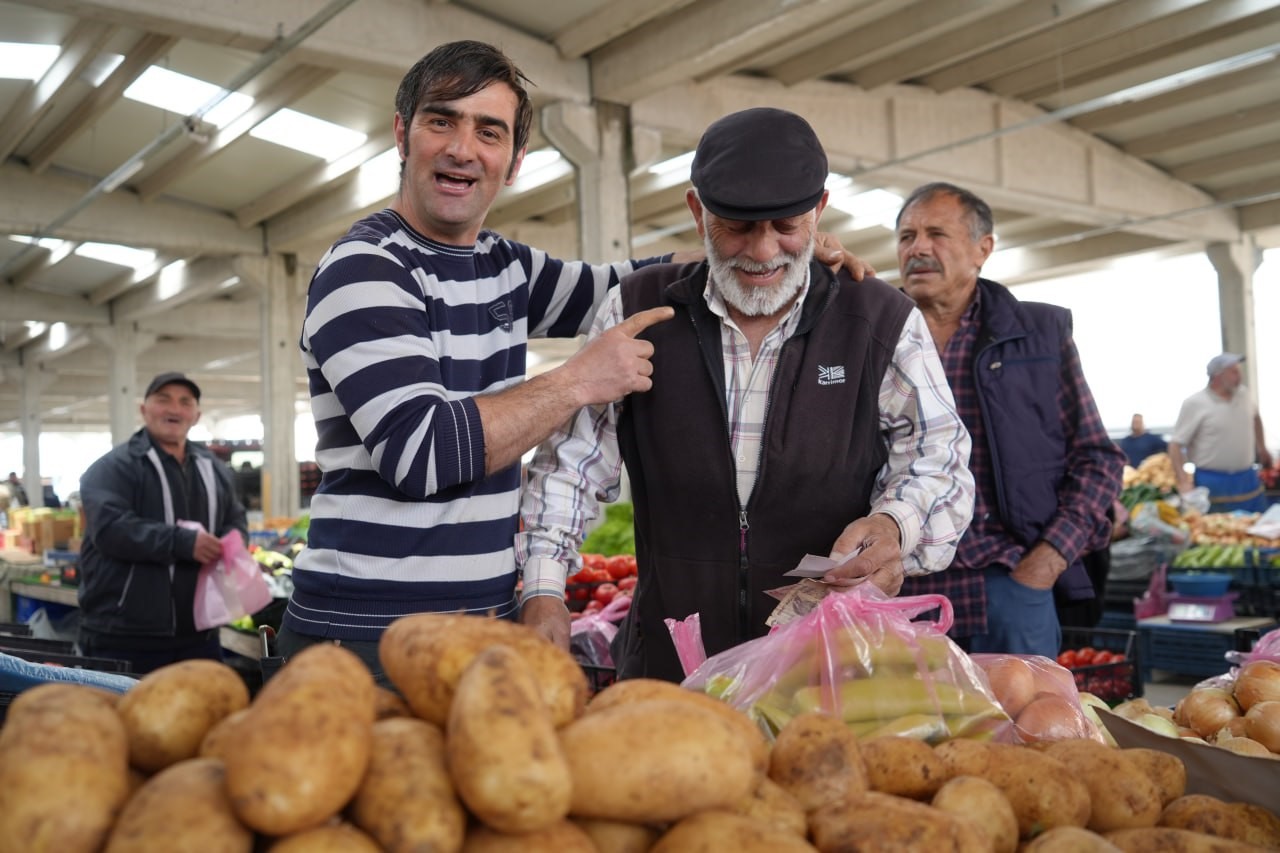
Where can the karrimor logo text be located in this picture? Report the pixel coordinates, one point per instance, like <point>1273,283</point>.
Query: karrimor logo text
<point>831,375</point>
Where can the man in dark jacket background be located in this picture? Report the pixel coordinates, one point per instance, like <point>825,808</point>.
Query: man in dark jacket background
<point>138,564</point>
<point>1045,469</point>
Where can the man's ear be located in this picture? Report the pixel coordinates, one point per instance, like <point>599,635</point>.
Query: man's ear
<point>695,207</point>
<point>516,162</point>
<point>398,127</point>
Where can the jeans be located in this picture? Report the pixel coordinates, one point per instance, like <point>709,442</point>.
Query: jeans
<point>1020,620</point>
<point>290,642</point>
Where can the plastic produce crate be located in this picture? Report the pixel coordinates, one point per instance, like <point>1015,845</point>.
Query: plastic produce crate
<point>1114,681</point>
<point>1193,649</point>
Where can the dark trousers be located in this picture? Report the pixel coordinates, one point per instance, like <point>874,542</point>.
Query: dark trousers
<point>290,642</point>
<point>144,659</point>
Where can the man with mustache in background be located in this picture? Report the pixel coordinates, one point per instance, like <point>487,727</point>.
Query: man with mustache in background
<point>792,411</point>
<point>1046,471</point>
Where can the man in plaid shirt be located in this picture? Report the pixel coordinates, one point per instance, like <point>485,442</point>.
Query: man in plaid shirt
<point>792,412</point>
<point>1046,472</point>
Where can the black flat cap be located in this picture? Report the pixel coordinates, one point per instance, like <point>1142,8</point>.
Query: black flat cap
<point>171,378</point>
<point>759,164</point>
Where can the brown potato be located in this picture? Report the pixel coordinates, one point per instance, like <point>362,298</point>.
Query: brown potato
<point>1163,839</point>
<point>985,805</point>
<point>171,709</point>
<point>1042,791</point>
<point>771,804</point>
<point>882,822</point>
<point>561,837</point>
<point>388,703</point>
<point>223,736</point>
<point>424,656</point>
<point>611,836</point>
<point>334,838</point>
<point>183,807</point>
<point>64,759</point>
<point>1211,816</point>
<point>964,757</point>
<point>407,801</point>
<point>655,761</point>
<point>817,760</point>
<point>903,766</point>
<point>1069,839</point>
<point>305,744</point>
<point>1120,795</point>
<point>1165,770</point>
<point>715,831</point>
<point>501,746</point>
<point>638,689</point>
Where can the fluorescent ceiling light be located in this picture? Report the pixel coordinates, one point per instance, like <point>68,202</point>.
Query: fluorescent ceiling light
<point>184,95</point>
<point>125,256</point>
<point>26,61</point>
<point>308,134</point>
<point>53,244</point>
<point>674,164</point>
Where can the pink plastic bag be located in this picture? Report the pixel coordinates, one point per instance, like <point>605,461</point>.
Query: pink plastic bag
<point>858,655</point>
<point>687,636</point>
<point>230,587</point>
<point>1040,696</point>
<point>590,635</point>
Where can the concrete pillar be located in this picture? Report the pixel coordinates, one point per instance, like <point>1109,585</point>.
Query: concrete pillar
<point>34,381</point>
<point>1236,263</point>
<point>282,310</point>
<point>125,343</point>
<point>597,140</point>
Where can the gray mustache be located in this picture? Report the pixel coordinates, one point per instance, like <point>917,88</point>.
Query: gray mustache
<point>922,265</point>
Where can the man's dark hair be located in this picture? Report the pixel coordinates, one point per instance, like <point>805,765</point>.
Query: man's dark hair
<point>981,223</point>
<point>456,70</point>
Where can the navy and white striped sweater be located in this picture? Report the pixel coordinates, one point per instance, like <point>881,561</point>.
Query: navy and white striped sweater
<point>401,332</point>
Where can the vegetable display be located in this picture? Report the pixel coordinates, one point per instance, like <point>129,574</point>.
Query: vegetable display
<point>495,748</point>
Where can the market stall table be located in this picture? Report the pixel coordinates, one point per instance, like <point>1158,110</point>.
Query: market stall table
<point>1192,648</point>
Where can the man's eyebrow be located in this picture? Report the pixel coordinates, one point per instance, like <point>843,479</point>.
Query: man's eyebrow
<point>480,118</point>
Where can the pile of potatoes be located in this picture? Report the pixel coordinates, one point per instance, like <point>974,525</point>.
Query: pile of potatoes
<point>491,745</point>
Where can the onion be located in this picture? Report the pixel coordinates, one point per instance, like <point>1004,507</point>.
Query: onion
<point>1206,710</point>
<point>1256,682</point>
<point>1244,746</point>
<point>1235,728</point>
<point>1012,682</point>
<point>1262,723</point>
<point>1051,717</point>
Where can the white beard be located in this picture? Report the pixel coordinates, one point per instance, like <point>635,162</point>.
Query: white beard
<point>758,300</point>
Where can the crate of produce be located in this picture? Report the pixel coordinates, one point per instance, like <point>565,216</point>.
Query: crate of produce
<point>1104,661</point>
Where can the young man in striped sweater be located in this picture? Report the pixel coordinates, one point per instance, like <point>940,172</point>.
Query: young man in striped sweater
<point>414,343</point>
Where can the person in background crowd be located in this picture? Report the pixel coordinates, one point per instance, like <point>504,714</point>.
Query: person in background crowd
<point>1220,432</point>
<point>1139,444</point>
<point>414,342</point>
<point>792,411</point>
<point>138,564</point>
<point>17,494</point>
<point>1046,471</point>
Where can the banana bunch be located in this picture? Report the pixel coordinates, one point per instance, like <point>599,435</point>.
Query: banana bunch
<point>880,684</point>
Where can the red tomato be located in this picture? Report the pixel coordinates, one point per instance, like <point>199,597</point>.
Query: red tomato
<point>627,584</point>
<point>1103,657</point>
<point>593,561</point>
<point>620,566</point>
<point>579,592</point>
<point>593,606</point>
<point>1084,657</point>
<point>605,593</point>
<point>1068,659</point>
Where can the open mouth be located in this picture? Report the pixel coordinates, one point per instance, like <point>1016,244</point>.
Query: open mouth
<point>454,181</point>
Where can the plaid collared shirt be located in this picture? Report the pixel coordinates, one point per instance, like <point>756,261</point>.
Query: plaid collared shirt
<point>924,486</point>
<point>986,543</point>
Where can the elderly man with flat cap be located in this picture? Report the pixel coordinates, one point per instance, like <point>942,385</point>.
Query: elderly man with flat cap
<point>1220,432</point>
<point>138,563</point>
<point>793,411</point>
